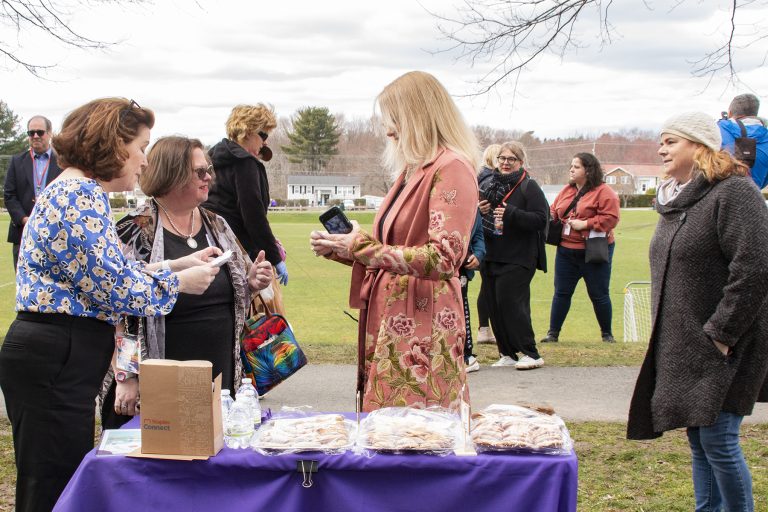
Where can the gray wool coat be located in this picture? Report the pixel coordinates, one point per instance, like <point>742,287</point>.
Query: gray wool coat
<point>709,281</point>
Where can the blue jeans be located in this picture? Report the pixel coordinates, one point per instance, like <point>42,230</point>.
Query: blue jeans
<point>721,478</point>
<point>569,268</point>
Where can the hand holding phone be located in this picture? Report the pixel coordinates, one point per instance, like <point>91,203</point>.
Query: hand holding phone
<point>335,222</point>
<point>221,260</point>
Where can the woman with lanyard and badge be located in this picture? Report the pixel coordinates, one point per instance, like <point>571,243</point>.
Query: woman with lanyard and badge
<point>514,250</point>
<point>587,207</point>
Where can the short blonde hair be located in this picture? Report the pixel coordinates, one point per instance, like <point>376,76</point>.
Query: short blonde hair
<point>245,120</point>
<point>169,165</point>
<point>420,111</point>
<point>490,154</point>
<point>516,148</point>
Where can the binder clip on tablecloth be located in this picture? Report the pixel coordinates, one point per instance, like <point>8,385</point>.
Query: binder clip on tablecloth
<point>306,468</point>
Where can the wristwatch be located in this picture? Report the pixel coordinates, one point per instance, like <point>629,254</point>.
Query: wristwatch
<point>122,376</point>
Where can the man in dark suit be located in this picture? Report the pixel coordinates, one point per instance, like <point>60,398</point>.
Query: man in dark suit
<point>28,174</point>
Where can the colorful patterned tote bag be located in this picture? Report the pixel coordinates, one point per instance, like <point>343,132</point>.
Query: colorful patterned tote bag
<point>269,350</point>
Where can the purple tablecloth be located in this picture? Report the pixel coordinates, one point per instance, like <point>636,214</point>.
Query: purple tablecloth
<point>245,480</point>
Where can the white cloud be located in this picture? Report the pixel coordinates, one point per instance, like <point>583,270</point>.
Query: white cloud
<point>192,62</point>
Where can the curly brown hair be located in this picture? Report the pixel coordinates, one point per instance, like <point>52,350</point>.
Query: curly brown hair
<point>93,136</point>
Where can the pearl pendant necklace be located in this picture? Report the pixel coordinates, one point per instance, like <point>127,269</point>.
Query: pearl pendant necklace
<point>191,242</point>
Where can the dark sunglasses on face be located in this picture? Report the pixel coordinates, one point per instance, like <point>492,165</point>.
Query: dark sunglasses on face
<point>39,133</point>
<point>203,171</point>
<point>263,136</point>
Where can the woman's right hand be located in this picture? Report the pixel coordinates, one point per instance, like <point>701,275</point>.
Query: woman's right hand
<point>195,259</point>
<point>484,207</point>
<point>195,280</point>
<point>317,247</point>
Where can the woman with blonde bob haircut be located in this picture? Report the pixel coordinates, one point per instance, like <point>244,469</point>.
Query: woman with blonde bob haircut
<point>240,193</point>
<point>405,275</point>
<point>707,361</point>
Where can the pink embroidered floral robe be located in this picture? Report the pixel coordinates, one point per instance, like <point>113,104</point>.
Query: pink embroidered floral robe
<point>411,340</point>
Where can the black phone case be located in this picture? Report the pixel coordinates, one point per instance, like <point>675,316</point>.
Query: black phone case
<point>335,221</point>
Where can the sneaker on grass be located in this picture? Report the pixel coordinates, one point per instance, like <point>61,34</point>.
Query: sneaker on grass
<point>505,361</point>
<point>473,364</point>
<point>485,336</point>
<point>529,363</point>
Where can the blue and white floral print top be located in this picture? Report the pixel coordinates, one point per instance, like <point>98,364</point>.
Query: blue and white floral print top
<point>70,260</point>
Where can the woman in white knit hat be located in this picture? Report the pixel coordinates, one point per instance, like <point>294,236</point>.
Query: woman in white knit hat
<point>707,360</point>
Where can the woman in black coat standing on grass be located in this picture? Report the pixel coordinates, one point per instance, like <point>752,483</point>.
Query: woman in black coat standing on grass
<point>514,250</point>
<point>707,360</point>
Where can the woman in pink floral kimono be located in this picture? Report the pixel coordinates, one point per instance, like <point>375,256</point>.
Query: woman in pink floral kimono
<point>405,275</point>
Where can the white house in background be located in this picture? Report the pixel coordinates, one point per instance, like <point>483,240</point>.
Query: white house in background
<point>633,178</point>
<point>373,202</point>
<point>319,190</point>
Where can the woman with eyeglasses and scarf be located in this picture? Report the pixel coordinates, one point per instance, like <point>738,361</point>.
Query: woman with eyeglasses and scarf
<point>514,216</point>
<point>73,284</point>
<point>172,225</point>
<point>241,191</point>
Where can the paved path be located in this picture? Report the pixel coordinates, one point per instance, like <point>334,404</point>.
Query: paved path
<point>576,393</point>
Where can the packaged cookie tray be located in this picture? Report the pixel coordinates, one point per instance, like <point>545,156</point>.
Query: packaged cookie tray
<point>405,430</point>
<point>513,428</point>
<point>328,433</point>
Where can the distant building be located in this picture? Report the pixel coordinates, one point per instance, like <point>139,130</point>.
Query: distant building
<point>320,190</point>
<point>627,179</point>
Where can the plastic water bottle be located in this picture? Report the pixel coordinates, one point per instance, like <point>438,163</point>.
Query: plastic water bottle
<point>248,394</point>
<point>239,429</point>
<point>226,405</point>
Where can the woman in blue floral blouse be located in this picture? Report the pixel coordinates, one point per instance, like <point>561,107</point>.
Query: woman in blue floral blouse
<point>72,285</point>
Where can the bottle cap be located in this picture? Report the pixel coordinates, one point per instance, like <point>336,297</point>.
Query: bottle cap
<point>246,381</point>
<point>224,391</point>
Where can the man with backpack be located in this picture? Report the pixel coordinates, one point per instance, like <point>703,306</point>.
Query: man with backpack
<point>745,136</point>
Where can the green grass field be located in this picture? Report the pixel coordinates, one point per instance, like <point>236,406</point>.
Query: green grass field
<point>318,290</point>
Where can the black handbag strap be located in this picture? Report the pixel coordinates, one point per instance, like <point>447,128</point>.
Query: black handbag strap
<point>573,203</point>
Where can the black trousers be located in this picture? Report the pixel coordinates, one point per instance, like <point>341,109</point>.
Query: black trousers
<point>483,298</point>
<point>51,369</point>
<point>510,308</point>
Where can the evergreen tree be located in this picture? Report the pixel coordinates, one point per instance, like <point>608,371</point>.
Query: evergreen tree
<point>12,139</point>
<point>313,139</point>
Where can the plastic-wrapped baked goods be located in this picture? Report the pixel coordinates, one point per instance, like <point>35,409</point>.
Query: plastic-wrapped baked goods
<point>511,427</point>
<point>330,433</point>
<point>403,429</point>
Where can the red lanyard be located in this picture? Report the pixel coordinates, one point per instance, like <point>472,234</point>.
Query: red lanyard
<point>38,180</point>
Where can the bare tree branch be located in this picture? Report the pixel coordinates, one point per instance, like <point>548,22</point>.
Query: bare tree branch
<point>42,16</point>
<point>512,34</point>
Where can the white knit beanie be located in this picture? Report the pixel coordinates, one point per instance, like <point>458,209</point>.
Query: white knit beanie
<point>695,126</point>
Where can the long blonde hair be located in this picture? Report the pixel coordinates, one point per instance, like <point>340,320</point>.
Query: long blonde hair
<point>424,117</point>
<point>717,165</point>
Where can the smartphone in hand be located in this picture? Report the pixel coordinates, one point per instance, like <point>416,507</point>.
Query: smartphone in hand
<point>335,222</point>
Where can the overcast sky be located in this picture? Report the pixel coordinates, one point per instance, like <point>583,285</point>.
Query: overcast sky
<point>192,61</point>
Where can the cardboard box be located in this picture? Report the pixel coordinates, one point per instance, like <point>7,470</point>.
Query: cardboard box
<point>180,409</point>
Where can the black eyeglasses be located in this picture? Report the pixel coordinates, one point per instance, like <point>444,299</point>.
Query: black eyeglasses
<point>510,159</point>
<point>39,133</point>
<point>202,171</point>
<point>128,109</point>
<point>263,136</point>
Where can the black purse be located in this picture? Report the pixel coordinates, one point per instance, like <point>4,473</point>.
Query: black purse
<point>596,250</point>
<point>555,231</point>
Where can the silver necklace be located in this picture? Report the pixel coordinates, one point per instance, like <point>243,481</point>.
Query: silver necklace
<point>190,241</point>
